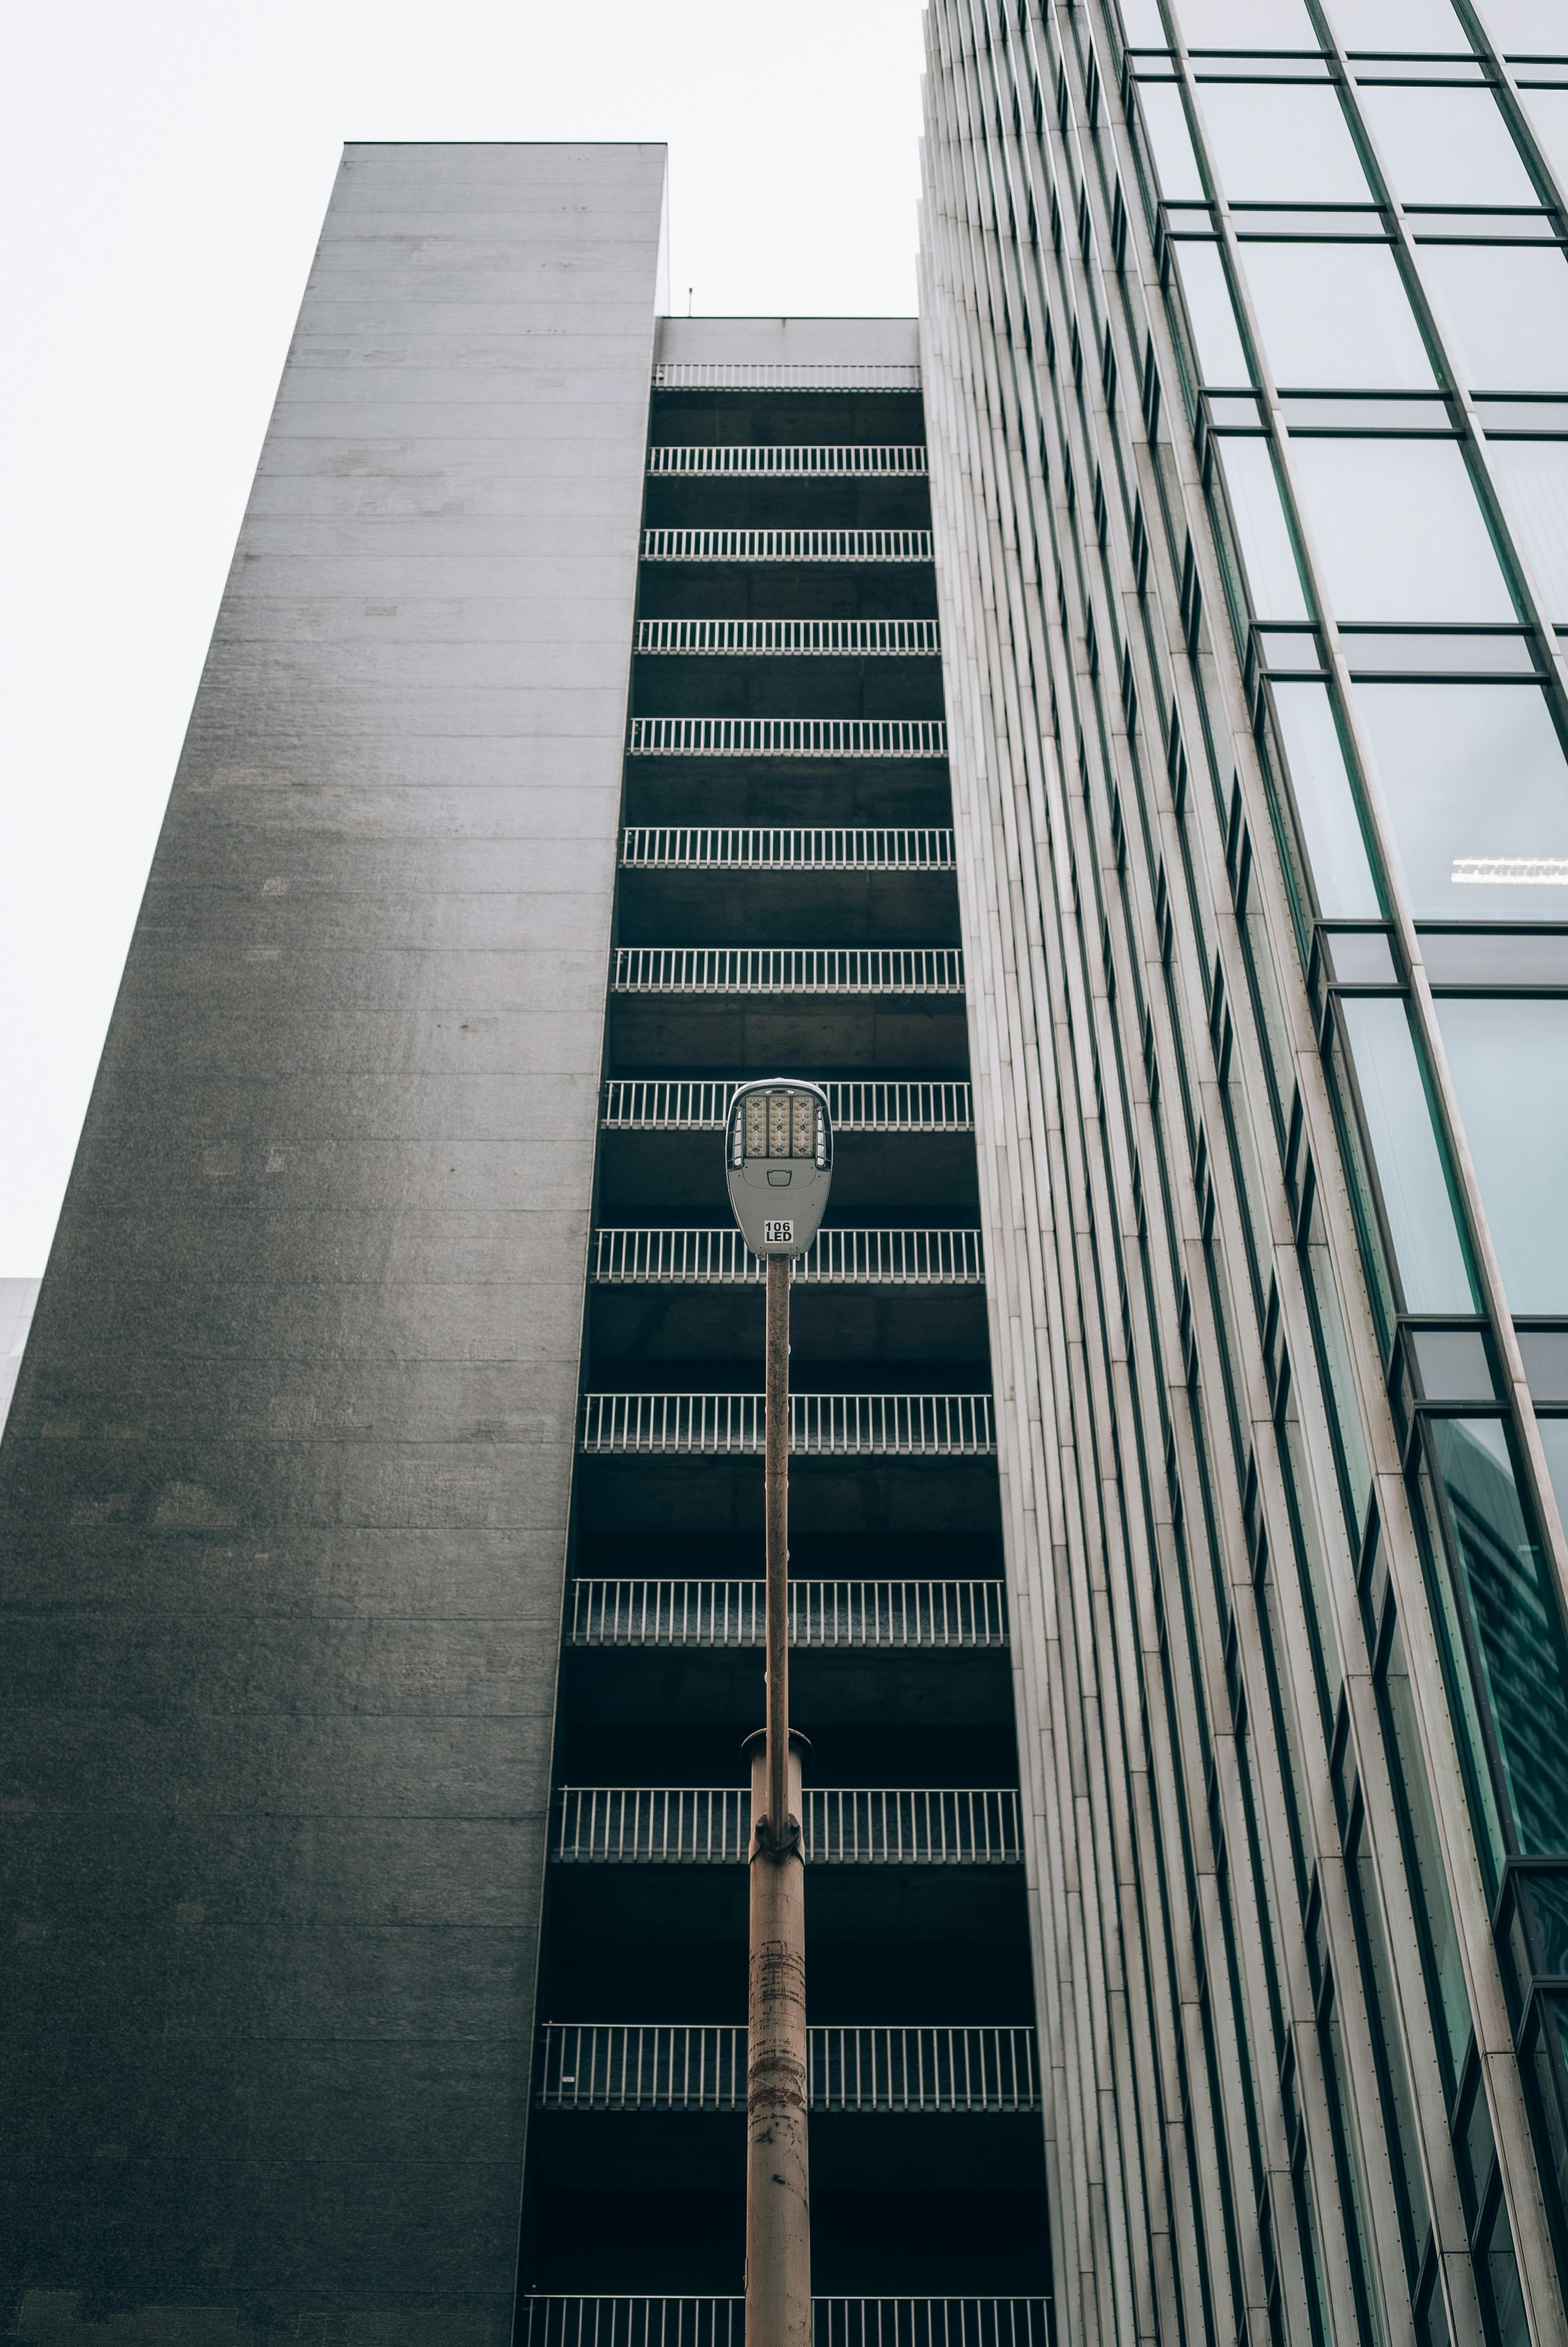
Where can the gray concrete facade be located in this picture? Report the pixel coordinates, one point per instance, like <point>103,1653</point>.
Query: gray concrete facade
<point>285,1490</point>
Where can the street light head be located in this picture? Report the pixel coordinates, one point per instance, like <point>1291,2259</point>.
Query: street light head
<point>778,1163</point>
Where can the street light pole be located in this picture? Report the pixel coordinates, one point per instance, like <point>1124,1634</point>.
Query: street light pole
<point>778,2198</point>
<point>775,1472</point>
<point>778,1162</point>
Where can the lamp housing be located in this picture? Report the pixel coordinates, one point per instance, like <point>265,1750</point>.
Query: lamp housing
<point>778,1163</point>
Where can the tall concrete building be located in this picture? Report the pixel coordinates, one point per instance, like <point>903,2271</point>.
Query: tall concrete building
<point>1110,731</point>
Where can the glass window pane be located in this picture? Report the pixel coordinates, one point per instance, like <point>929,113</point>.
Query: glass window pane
<point>1548,112</point>
<point>1510,1061</point>
<point>1415,27</point>
<point>1336,317</point>
<point>1447,146</point>
<point>1399,532</point>
<point>1383,2012</point>
<point>1555,1442</point>
<point>1410,1172</point>
<point>1271,143</point>
<point>1221,362</point>
<point>1506,309</point>
<point>1497,2270</point>
<point>1246,24</point>
<point>1274,581</point>
<point>1325,805</point>
<point>1512,1605</point>
<point>1527,29</point>
<point>1170,142</point>
<point>1531,477</point>
<point>1441,1961</point>
<point>1476,787</point>
<point>1141,22</point>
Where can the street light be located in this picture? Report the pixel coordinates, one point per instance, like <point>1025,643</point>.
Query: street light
<point>778,1163</point>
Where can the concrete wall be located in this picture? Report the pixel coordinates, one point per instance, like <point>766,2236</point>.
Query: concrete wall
<point>283,1500</point>
<point>17,1299</point>
<point>798,341</point>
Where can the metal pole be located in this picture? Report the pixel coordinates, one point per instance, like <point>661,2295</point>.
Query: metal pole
<point>778,2205</point>
<point>776,1502</point>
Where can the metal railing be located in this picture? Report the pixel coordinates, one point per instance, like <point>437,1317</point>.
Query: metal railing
<point>814,459</point>
<point>787,737</point>
<point>697,1105</point>
<point>704,1825</point>
<point>559,2321</point>
<point>782,374</point>
<point>659,847</point>
<point>835,1258</point>
<point>832,1425</point>
<point>787,970</point>
<point>786,546</point>
<point>821,1613</point>
<point>878,637</point>
<point>633,2066</point>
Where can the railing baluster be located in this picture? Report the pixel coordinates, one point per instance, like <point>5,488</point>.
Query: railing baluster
<point>790,460</point>
<point>827,1613</point>
<point>564,2320</point>
<point>699,545</point>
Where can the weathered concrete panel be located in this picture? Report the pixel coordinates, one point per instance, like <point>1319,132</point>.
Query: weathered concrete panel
<point>284,1501</point>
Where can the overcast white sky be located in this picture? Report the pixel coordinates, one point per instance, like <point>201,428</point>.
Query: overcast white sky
<point>163,171</point>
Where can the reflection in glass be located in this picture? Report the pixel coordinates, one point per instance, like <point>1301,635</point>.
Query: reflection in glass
<point>1367,411</point>
<point>1346,2161</point>
<point>1272,144</point>
<point>1239,410</point>
<point>1452,1364</point>
<point>1378,1978</point>
<point>1476,787</point>
<point>1441,1961</point>
<point>1528,29</point>
<point>1206,291</point>
<point>1508,310</point>
<point>1414,25</point>
<point>1447,146</point>
<point>1508,1588</point>
<point>1268,556</point>
<point>1383,651</point>
<point>1336,317</point>
<point>1325,803</point>
<point>1443,227</point>
<point>1289,648</point>
<point>1474,2145</point>
<point>1417,1203</point>
<point>1291,220</point>
<point>1246,24</point>
<point>1496,957</point>
<point>1531,477</point>
<point>1361,957</point>
<point>1509,1055</point>
<point>1545,1364</point>
<point>1509,412</point>
<point>1554,1441</point>
<point>1170,142</point>
<point>1398,531</point>
<point>1497,2271</point>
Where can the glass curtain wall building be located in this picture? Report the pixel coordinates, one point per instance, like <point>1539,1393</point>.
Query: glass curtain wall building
<point>1245,334</point>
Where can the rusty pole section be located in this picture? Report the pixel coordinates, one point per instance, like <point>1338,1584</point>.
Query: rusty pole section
<point>778,2201</point>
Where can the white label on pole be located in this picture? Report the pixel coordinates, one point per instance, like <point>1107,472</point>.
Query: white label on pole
<point>778,1234</point>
